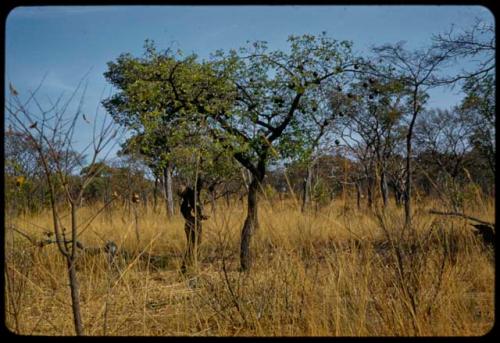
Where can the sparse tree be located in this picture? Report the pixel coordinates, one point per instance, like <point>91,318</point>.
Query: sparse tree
<point>372,125</point>
<point>441,139</point>
<point>417,72</point>
<point>50,131</point>
<point>476,46</point>
<point>476,42</point>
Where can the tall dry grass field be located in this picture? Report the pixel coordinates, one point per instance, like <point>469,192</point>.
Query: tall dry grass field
<point>331,272</point>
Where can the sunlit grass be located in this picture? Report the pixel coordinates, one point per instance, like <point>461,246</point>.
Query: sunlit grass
<point>330,272</point>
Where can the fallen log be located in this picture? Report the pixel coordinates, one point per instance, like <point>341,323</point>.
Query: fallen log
<point>458,214</point>
<point>484,229</point>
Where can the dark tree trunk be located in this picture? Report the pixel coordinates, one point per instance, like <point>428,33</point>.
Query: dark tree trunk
<point>398,191</point>
<point>407,197</point>
<point>250,225</point>
<point>408,185</point>
<point>398,196</point>
<point>383,188</point>
<point>167,185</point>
<point>251,222</point>
<point>369,192</point>
<point>407,191</point>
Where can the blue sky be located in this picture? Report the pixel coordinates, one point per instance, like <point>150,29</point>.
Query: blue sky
<point>65,43</point>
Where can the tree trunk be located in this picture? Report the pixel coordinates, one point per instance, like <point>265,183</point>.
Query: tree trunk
<point>73,280</point>
<point>250,225</point>
<point>398,197</point>
<point>307,188</point>
<point>369,192</point>
<point>155,194</point>
<point>383,188</point>
<point>358,195</point>
<point>397,187</point>
<point>167,185</point>
<point>75,297</point>
<point>244,176</point>
<point>407,193</point>
<point>408,187</point>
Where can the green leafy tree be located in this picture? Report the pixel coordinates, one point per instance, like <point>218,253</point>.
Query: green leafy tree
<point>163,99</point>
<point>272,93</point>
<point>255,102</point>
<point>150,105</point>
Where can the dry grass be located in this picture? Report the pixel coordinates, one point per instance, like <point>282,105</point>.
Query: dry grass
<point>330,273</point>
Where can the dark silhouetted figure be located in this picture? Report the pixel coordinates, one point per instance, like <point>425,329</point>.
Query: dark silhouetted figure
<point>193,227</point>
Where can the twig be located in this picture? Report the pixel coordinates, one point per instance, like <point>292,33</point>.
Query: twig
<point>32,240</point>
<point>65,241</point>
<point>44,242</point>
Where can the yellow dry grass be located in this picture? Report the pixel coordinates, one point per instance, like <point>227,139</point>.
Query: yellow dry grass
<point>332,272</point>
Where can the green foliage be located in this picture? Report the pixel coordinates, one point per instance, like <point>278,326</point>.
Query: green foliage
<point>253,103</point>
<point>280,97</point>
<point>269,192</point>
<point>160,99</point>
<point>479,109</point>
